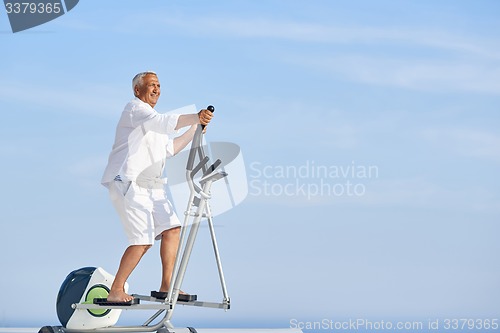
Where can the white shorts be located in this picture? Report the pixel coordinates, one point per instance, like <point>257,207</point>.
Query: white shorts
<point>144,212</point>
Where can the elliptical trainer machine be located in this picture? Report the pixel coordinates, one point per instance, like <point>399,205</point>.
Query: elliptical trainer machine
<point>80,307</point>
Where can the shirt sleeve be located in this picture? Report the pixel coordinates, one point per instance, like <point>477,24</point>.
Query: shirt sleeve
<point>162,123</point>
<point>154,121</point>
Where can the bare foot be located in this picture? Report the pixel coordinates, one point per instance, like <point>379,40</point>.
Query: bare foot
<point>119,296</point>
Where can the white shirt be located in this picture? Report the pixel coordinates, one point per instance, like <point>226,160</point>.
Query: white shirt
<point>143,140</point>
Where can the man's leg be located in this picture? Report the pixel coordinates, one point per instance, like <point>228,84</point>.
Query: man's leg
<point>168,251</point>
<point>129,261</point>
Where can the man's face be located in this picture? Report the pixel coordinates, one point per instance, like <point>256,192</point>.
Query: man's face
<point>149,91</point>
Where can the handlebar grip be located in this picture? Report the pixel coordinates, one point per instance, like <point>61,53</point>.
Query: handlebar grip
<point>211,109</point>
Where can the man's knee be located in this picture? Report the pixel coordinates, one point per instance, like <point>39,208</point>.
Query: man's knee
<point>174,232</point>
<point>142,248</point>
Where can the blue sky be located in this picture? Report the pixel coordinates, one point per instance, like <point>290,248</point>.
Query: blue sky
<point>410,88</point>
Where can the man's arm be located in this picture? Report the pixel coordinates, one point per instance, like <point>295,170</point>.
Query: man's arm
<point>182,141</point>
<point>203,117</point>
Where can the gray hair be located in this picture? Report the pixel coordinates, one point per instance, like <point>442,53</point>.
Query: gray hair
<point>137,80</point>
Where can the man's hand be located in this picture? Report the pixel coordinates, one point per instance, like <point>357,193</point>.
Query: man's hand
<point>205,116</point>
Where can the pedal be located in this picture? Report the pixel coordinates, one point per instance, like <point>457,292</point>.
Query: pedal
<point>187,298</point>
<point>181,297</point>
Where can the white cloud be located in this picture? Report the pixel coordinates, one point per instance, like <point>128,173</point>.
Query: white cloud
<point>425,74</point>
<point>422,193</point>
<point>465,142</point>
<point>398,193</point>
<point>413,57</point>
<point>243,27</point>
<point>87,98</point>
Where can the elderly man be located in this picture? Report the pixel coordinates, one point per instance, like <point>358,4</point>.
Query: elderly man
<point>144,139</point>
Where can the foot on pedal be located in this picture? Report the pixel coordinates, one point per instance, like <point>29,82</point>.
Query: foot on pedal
<point>104,301</point>
<point>181,297</point>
